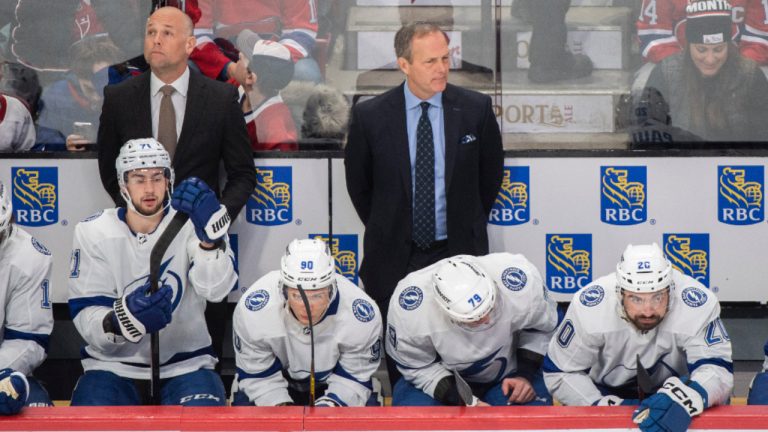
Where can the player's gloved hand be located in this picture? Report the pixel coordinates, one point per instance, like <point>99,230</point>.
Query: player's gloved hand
<point>139,312</point>
<point>758,390</point>
<point>325,401</point>
<point>612,400</point>
<point>14,389</point>
<point>196,199</point>
<point>671,408</point>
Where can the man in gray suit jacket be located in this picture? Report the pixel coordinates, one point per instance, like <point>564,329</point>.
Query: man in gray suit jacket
<point>209,122</point>
<point>386,172</point>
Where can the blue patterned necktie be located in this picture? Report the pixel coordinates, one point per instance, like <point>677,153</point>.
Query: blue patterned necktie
<point>424,194</point>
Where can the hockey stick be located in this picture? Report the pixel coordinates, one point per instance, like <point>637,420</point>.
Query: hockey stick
<point>305,300</point>
<point>155,262</point>
<point>644,382</point>
<point>644,388</point>
<point>465,392</point>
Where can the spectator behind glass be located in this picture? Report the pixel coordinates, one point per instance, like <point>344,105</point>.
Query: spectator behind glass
<point>73,104</point>
<point>17,130</point>
<point>713,91</point>
<point>293,23</point>
<point>22,83</point>
<point>326,115</point>
<point>268,120</point>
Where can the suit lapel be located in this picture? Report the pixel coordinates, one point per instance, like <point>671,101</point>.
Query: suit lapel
<point>399,137</point>
<point>143,109</point>
<point>452,120</point>
<point>196,99</point>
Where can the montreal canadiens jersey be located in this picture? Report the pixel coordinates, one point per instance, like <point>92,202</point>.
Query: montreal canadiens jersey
<point>594,346</point>
<point>269,341</point>
<point>109,261</point>
<point>428,346</point>
<point>17,129</point>
<point>25,271</point>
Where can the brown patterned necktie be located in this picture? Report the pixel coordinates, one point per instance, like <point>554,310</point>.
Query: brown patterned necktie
<point>166,125</point>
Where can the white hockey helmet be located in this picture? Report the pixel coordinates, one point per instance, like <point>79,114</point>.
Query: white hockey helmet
<point>643,269</point>
<point>6,209</point>
<point>307,264</point>
<point>142,153</point>
<point>463,290</point>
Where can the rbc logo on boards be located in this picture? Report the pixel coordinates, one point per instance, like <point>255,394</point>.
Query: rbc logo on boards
<point>569,262</point>
<point>740,194</point>
<point>512,205</point>
<point>35,195</point>
<point>623,198</point>
<point>270,202</point>
<point>344,251</point>
<point>689,253</point>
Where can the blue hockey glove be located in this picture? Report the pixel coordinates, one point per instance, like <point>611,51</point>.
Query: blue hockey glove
<point>139,313</point>
<point>758,390</point>
<point>14,389</point>
<point>325,401</point>
<point>671,408</point>
<point>196,199</point>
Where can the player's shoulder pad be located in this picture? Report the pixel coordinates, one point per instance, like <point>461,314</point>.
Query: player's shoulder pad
<point>262,296</point>
<point>28,252</point>
<point>355,302</point>
<point>513,273</point>
<point>411,292</point>
<point>595,305</point>
<point>93,216</point>
<point>694,305</point>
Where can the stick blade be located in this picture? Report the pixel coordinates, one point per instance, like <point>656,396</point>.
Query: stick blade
<point>465,392</point>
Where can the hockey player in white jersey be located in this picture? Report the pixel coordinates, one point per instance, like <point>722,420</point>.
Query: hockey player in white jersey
<point>272,334</point>
<point>109,281</point>
<point>487,318</point>
<point>27,321</point>
<point>649,313</point>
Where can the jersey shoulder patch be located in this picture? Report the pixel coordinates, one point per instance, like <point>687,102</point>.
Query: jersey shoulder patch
<point>514,279</point>
<point>256,300</point>
<point>411,298</point>
<point>694,297</point>
<point>40,248</point>
<point>592,295</point>
<point>363,310</point>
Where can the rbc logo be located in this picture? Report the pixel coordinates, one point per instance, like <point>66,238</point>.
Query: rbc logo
<point>344,251</point>
<point>569,262</point>
<point>35,195</point>
<point>270,203</point>
<point>512,206</point>
<point>622,195</point>
<point>689,253</point>
<point>740,194</point>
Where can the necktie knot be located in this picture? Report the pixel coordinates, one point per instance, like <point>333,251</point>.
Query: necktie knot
<point>167,90</point>
<point>424,108</point>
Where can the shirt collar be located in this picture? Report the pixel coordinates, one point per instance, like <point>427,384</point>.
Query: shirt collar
<point>412,101</point>
<point>181,84</point>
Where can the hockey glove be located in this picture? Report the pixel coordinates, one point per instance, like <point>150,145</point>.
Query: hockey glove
<point>139,313</point>
<point>671,408</point>
<point>14,389</point>
<point>758,390</point>
<point>209,217</point>
<point>612,400</point>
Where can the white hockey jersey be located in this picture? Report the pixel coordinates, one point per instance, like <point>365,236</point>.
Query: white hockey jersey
<point>270,340</point>
<point>595,347</point>
<point>428,346</point>
<point>109,260</point>
<point>25,272</point>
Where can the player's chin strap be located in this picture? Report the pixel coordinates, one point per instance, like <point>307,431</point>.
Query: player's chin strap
<point>129,203</point>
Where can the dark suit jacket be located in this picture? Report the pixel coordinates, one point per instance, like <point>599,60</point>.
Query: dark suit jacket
<point>213,131</point>
<point>379,180</point>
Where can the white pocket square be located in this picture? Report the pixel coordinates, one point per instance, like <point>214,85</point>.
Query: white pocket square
<point>466,139</point>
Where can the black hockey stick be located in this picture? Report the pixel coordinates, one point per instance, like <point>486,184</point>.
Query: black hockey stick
<point>465,392</point>
<point>305,300</point>
<point>155,262</point>
<point>644,389</point>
